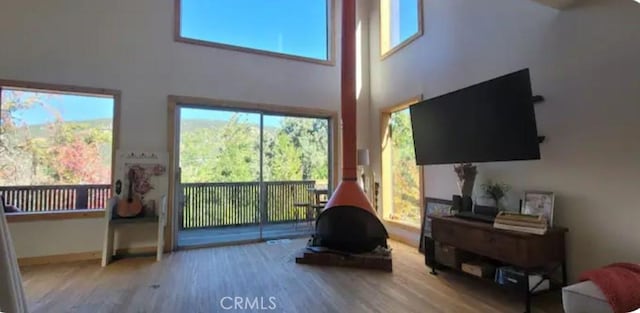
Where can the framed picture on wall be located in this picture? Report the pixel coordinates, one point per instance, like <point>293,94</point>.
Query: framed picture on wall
<point>432,206</point>
<point>539,203</point>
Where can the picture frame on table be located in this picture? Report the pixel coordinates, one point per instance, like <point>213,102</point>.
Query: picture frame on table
<point>539,203</point>
<point>432,206</point>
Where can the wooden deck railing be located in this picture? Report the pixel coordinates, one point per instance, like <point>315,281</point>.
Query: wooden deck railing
<point>234,204</point>
<point>206,204</point>
<point>56,198</point>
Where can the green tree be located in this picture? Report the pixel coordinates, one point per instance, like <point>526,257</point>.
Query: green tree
<point>239,151</point>
<point>74,155</point>
<point>57,152</point>
<point>284,160</point>
<point>406,174</point>
<point>18,149</point>
<point>221,153</point>
<point>310,136</point>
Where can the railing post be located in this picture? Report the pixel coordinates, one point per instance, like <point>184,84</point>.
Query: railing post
<point>264,218</point>
<point>82,197</point>
<point>181,203</point>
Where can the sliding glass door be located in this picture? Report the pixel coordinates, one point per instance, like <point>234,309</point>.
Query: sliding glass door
<point>247,176</point>
<point>220,176</point>
<point>295,170</point>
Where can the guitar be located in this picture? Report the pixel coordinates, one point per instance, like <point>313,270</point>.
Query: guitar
<point>131,206</point>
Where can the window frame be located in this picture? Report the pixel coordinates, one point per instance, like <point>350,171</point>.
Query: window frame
<point>386,164</point>
<point>70,89</point>
<point>404,43</point>
<point>330,61</point>
<point>175,102</point>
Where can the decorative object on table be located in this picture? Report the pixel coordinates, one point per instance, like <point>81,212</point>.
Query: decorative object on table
<point>148,169</point>
<point>432,206</point>
<point>456,204</point>
<point>466,173</point>
<point>496,191</point>
<point>539,203</point>
<point>130,205</point>
<point>12,297</point>
<point>533,224</point>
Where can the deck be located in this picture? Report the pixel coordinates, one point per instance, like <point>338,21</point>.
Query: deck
<point>229,235</point>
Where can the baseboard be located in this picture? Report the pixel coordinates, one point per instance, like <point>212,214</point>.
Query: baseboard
<point>60,258</point>
<point>81,256</point>
<point>404,240</point>
<point>136,250</point>
<point>405,234</point>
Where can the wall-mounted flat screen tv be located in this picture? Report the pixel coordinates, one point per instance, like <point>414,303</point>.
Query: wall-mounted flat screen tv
<point>490,121</point>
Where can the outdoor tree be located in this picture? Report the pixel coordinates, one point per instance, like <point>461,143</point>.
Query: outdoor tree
<point>284,160</point>
<point>239,151</point>
<point>227,152</point>
<point>17,147</point>
<point>311,138</point>
<point>56,152</point>
<point>75,154</point>
<point>406,175</point>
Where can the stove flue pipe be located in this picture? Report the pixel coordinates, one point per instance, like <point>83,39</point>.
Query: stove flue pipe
<point>348,192</point>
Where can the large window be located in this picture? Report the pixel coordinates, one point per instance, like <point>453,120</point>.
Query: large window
<point>400,23</point>
<point>56,149</point>
<point>401,178</point>
<point>295,28</point>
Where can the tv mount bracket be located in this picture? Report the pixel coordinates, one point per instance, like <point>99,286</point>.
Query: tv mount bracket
<point>539,99</point>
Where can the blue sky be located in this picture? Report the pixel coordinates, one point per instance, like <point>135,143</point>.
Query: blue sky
<point>85,108</point>
<point>408,18</point>
<point>297,27</point>
<point>71,107</point>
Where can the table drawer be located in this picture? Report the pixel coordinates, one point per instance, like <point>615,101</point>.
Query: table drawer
<point>495,245</point>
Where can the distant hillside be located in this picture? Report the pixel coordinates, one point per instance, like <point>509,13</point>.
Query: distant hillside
<point>42,130</point>
<point>193,124</point>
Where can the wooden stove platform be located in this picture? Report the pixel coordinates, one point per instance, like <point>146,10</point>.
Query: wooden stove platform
<point>328,258</point>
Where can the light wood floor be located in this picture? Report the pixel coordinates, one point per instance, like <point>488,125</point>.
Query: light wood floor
<point>197,280</point>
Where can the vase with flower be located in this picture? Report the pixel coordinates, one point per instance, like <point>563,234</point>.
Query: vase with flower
<point>466,173</point>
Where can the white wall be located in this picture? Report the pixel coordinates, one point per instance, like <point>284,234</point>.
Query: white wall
<point>585,62</point>
<point>128,45</point>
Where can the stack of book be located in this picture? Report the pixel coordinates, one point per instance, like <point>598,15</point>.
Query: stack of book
<point>521,222</point>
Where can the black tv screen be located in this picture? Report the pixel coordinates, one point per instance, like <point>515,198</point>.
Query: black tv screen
<point>490,121</point>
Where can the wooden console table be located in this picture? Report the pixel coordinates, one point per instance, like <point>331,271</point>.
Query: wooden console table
<point>529,253</point>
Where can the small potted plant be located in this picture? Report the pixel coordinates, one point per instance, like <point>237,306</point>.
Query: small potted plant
<point>496,191</point>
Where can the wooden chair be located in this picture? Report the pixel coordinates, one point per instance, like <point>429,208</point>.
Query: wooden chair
<point>321,196</point>
<point>302,209</point>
